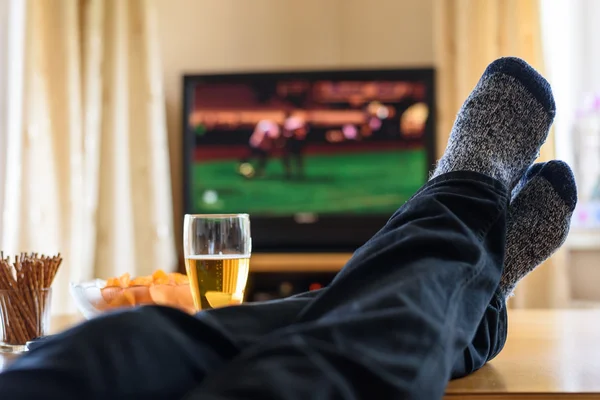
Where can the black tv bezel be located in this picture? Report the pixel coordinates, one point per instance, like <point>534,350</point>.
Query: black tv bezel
<point>330,234</point>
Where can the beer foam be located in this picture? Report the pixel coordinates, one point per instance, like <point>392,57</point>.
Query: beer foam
<point>218,256</point>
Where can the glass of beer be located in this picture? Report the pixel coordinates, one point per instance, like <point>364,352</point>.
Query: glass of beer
<point>217,251</point>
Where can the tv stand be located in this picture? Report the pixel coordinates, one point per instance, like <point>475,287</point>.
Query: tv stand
<point>277,275</point>
<point>298,262</point>
<point>292,262</point>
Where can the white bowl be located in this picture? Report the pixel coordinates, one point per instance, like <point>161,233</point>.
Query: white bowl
<point>91,303</point>
<point>88,297</point>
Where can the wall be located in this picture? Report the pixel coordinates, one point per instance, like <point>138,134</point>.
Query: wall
<point>231,35</point>
<point>584,274</point>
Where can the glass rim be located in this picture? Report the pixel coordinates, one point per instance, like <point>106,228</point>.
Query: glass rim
<point>217,216</point>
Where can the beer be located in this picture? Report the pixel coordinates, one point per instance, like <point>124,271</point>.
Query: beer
<point>217,280</point>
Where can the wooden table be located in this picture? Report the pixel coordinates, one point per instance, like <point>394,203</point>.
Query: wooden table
<point>548,355</point>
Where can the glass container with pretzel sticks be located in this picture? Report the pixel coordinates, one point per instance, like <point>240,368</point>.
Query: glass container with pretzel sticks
<point>25,292</point>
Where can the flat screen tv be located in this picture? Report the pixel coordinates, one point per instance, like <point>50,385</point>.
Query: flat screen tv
<point>320,160</point>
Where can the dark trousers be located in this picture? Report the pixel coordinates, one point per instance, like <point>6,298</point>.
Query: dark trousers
<point>293,154</point>
<point>414,306</point>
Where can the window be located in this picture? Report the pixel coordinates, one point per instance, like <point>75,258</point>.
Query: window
<point>571,37</point>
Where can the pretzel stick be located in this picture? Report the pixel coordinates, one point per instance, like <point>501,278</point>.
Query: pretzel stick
<point>10,301</point>
<point>25,284</point>
<point>32,293</point>
<point>18,302</point>
<point>29,289</point>
<point>12,319</point>
<point>12,332</point>
<point>39,278</point>
<point>22,286</point>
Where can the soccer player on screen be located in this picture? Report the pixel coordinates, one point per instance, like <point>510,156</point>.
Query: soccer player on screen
<point>261,145</point>
<point>294,133</point>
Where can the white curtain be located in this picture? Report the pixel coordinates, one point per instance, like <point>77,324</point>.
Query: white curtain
<point>12,32</point>
<point>469,34</point>
<point>86,170</point>
<point>4,10</point>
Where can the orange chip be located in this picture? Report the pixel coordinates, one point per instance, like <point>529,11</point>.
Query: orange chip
<point>125,299</point>
<point>141,281</point>
<point>158,288</point>
<point>173,296</point>
<point>113,282</point>
<point>179,279</point>
<point>141,295</point>
<point>125,279</point>
<point>109,293</point>
<point>160,277</point>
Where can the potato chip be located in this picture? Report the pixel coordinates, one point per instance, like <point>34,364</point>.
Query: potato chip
<point>160,277</point>
<point>173,296</point>
<point>109,293</point>
<point>179,279</point>
<point>141,294</point>
<point>125,279</point>
<point>169,289</point>
<point>113,282</point>
<point>126,299</point>
<point>141,281</point>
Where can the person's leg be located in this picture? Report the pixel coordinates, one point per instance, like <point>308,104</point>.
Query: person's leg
<point>537,225</point>
<point>248,323</point>
<point>540,220</point>
<point>151,352</point>
<point>299,158</point>
<point>410,300</point>
<point>263,157</point>
<point>398,320</point>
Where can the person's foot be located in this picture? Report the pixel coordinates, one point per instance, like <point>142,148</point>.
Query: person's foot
<point>502,125</point>
<point>538,220</point>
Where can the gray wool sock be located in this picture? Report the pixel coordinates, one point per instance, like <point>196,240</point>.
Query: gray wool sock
<point>538,219</point>
<point>502,125</point>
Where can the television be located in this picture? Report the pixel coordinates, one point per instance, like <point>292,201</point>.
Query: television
<point>319,159</point>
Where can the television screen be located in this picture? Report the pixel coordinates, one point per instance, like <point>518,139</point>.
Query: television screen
<point>308,152</point>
